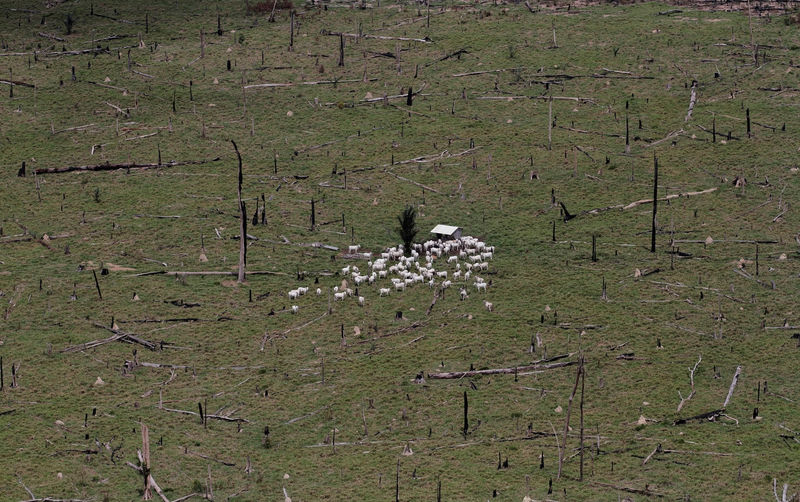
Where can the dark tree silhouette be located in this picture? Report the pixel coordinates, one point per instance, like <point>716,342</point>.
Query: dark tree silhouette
<point>408,228</point>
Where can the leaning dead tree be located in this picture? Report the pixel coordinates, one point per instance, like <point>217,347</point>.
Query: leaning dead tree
<point>243,224</point>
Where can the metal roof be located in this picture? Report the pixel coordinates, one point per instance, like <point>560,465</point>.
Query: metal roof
<point>444,229</point>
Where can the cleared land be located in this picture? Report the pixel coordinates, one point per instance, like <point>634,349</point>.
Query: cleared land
<point>118,254</point>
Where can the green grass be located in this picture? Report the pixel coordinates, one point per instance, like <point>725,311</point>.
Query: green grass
<point>109,217</point>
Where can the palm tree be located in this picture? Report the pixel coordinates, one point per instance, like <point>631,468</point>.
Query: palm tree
<point>408,228</point>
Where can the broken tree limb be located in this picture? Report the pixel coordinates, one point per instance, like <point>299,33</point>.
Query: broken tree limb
<point>734,381</point>
<point>539,365</point>
<point>113,167</point>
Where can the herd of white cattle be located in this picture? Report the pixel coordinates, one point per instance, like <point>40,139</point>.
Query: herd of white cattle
<point>458,261</point>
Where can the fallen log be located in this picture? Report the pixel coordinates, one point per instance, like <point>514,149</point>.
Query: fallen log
<point>538,365</point>
<point>637,491</point>
<point>17,82</point>
<point>215,417</point>
<point>709,415</point>
<point>425,40</point>
<point>129,337</point>
<point>128,165</point>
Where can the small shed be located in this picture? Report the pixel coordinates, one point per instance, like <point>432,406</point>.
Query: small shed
<point>446,232</point>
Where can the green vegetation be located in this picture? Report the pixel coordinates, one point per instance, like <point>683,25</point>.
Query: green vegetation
<point>514,114</point>
<point>408,228</point>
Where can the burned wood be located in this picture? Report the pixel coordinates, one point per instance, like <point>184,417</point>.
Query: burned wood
<point>709,416</point>
<point>113,167</point>
<point>456,54</point>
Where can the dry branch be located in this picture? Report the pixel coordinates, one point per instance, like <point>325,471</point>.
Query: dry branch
<point>113,167</point>
<point>691,382</point>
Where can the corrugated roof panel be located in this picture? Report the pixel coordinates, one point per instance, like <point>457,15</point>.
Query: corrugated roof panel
<point>444,229</point>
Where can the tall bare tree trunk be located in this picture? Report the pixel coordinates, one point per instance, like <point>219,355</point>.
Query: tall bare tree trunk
<point>243,224</point>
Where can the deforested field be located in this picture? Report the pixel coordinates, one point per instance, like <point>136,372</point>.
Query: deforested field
<point>605,346</point>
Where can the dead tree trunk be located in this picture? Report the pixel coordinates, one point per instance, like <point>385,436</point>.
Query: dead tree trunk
<point>243,225</point>
<point>655,203</point>
<point>563,448</point>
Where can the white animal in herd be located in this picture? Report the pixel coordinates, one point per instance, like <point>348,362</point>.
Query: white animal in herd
<point>488,306</point>
<point>406,271</point>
